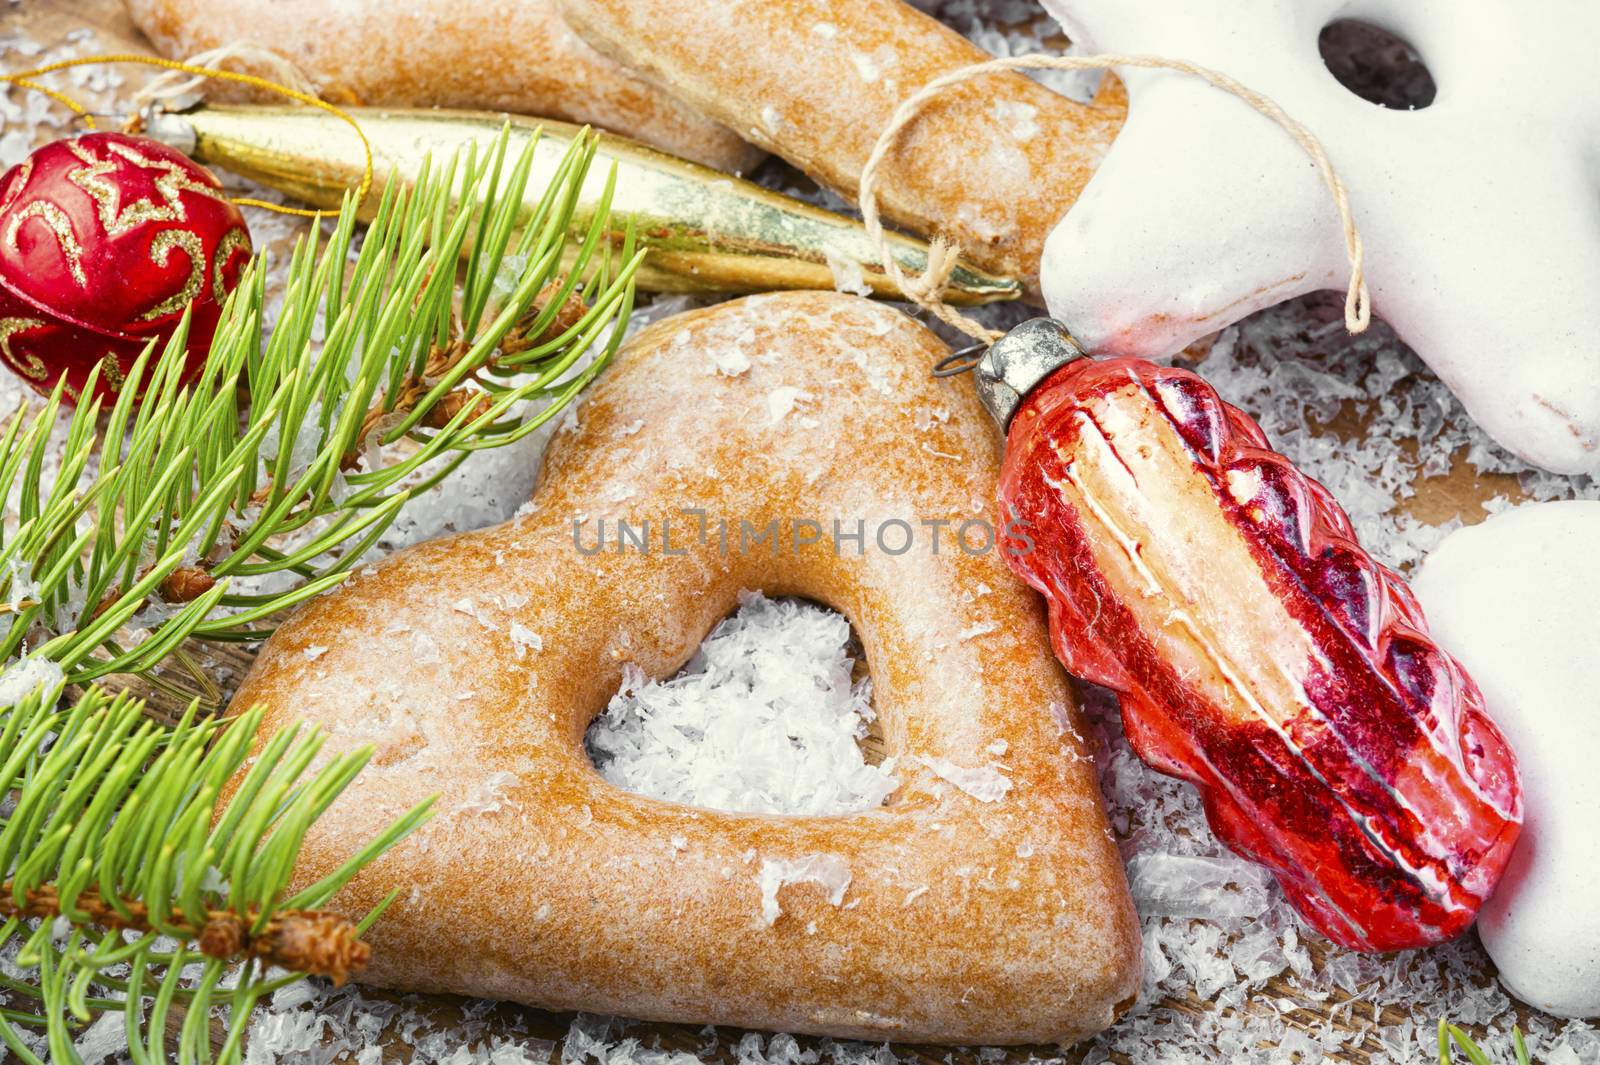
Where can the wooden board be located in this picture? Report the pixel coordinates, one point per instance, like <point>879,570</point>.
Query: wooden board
<point>1460,494</point>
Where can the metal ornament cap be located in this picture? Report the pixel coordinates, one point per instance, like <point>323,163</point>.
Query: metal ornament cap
<point>1018,361</point>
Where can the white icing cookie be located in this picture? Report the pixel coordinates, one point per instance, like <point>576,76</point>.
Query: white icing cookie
<point>1478,212</point>
<point>1514,599</point>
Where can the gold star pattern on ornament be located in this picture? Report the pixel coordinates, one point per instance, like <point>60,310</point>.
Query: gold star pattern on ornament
<point>58,223</point>
<point>236,239</point>
<point>160,252</point>
<point>111,372</point>
<point>172,181</point>
<point>27,365</point>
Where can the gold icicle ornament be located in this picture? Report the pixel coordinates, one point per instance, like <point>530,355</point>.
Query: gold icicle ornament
<point>703,230</point>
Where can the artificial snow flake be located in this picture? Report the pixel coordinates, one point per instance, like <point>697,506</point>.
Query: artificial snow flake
<point>782,400</point>
<point>490,794</point>
<point>1177,885</point>
<point>986,783</point>
<point>525,639</point>
<point>848,276</point>
<point>828,871</point>
<point>764,719</point>
<point>730,362</point>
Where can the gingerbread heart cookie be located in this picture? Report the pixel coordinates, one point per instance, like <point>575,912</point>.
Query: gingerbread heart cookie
<point>794,444</point>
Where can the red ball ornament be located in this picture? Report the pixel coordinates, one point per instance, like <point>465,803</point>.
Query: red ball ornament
<point>105,239</point>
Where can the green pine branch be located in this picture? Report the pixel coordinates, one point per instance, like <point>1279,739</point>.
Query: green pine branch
<point>123,865</point>
<point>279,462</point>
<point>204,508</point>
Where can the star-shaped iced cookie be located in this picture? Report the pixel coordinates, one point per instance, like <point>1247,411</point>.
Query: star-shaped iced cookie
<point>1480,212</point>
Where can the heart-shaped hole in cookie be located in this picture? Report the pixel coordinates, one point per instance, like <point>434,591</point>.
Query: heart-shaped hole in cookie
<point>773,714</point>
<point>1379,66</point>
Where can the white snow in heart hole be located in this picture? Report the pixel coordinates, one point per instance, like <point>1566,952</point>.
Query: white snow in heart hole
<point>764,719</point>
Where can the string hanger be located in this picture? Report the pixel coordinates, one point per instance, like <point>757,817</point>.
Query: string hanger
<point>927,290</point>
<point>26,79</point>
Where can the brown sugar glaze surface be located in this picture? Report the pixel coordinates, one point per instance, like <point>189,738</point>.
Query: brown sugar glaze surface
<point>537,881</point>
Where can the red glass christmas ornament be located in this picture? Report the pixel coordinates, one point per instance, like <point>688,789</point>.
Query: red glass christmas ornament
<point>105,239</point>
<point>1258,650</point>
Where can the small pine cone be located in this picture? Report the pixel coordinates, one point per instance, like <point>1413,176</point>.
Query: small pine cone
<point>316,942</point>
<point>442,360</point>
<point>223,936</point>
<point>440,413</point>
<point>186,584</point>
<point>571,312</point>
<point>106,602</point>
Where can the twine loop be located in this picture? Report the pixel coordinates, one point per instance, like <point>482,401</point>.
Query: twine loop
<point>927,289</point>
<point>176,85</point>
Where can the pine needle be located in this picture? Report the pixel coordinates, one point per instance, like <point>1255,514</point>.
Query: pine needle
<point>1450,1035</point>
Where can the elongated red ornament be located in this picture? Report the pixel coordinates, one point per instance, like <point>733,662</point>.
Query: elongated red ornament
<point>105,239</point>
<point>1258,650</point>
